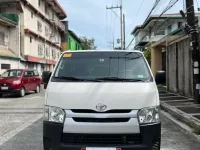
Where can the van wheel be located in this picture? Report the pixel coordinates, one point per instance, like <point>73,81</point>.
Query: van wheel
<point>37,89</point>
<point>22,92</point>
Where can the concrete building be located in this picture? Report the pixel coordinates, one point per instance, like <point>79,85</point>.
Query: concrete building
<point>170,52</point>
<point>74,41</point>
<point>41,30</point>
<point>9,38</point>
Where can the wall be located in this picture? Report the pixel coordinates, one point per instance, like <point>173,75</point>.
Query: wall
<point>72,44</point>
<point>4,31</point>
<point>14,64</point>
<point>32,48</point>
<point>14,40</point>
<point>179,68</point>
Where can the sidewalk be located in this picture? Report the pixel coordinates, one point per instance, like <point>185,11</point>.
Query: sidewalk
<point>181,108</point>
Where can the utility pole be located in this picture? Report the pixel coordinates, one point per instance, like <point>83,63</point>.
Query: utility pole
<point>124,31</point>
<point>191,20</point>
<point>121,21</point>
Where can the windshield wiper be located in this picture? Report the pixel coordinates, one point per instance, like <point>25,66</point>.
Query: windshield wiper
<point>76,79</point>
<point>120,79</point>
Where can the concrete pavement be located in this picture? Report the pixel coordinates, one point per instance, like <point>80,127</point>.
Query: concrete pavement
<point>173,138</point>
<point>18,113</point>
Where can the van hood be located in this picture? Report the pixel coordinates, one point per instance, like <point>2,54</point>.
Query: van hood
<point>8,80</point>
<point>73,95</point>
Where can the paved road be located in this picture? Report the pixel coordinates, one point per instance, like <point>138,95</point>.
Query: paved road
<point>173,137</point>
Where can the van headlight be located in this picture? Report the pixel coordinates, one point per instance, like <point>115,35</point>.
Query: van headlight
<point>54,114</point>
<point>149,115</point>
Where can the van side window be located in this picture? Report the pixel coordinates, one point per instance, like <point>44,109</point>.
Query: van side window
<point>30,73</point>
<point>26,74</point>
<point>36,73</point>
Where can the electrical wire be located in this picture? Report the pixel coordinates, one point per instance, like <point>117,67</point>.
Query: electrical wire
<point>169,6</point>
<point>154,6</point>
<point>135,16</point>
<point>197,3</point>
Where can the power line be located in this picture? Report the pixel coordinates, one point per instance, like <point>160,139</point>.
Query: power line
<point>169,6</point>
<point>136,15</point>
<point>154,6</point>
<point>197,4</point>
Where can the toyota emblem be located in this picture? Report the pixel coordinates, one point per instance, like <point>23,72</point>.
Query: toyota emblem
<point>101,107</point>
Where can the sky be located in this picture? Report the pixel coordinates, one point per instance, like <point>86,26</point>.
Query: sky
<point>90,18</point>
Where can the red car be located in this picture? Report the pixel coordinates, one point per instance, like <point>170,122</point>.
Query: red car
<point>19,81</point>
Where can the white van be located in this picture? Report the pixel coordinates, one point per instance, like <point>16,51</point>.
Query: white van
<point>101,100</point>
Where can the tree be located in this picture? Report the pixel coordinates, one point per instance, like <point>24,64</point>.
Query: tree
<point>147,54</point>
<point>117,48</point>
<point>88,44</point>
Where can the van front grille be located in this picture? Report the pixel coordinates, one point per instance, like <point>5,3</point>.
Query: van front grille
<point>116,139</point>
<point>93,111</point>
<point>101,120</point>
<point>5,84</point>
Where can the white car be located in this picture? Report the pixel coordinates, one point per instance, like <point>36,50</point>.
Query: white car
<point>101,100</point>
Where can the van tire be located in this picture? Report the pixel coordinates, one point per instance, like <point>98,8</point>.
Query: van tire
<point>37,89</point>
<point>22,92</point>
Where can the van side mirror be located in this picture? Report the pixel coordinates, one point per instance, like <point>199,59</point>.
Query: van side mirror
<point>45,78</point>
<point>160,77</point>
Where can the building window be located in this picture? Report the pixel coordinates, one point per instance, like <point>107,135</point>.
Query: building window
<point>2,38</point>
<point>160,32</point>
<point>180,24</point>
<point>169,29</point>
<point>5,66</point>
<point>69,43</point>
<point>40,50</point>
<point>58,54</point>
<point>53,54</point>
<point>39,2</point>
<point>30,39</point>
<point>45,9</point>
<point>39,24</point>
<point>47,52</point>
<point>53,17</point>
<point>46,30</point>
<point>32,14</point>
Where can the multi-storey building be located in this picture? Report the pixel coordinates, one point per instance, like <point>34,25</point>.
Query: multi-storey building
<point>41,30</point>
<point>9,38</point>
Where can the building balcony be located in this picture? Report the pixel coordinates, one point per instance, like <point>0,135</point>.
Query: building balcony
<point>9,19</point>
<point>58,23</point>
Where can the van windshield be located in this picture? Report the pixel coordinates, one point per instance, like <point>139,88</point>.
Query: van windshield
<point>102,66</point>
<point>12,74</point>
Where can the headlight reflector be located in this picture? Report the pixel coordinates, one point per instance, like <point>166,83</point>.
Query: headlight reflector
<point>54,114</point>
<point>149,115</point>
<point>16,82</point>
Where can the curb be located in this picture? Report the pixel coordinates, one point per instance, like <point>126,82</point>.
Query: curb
<point>182,117</point>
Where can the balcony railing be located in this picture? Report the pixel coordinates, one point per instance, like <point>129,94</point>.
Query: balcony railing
<point>13,18</point>
<point>58,23</point>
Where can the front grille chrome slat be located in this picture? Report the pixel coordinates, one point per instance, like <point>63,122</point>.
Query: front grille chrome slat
<point>93,111</point>
<point>102,120</point>
<point>101,139</point>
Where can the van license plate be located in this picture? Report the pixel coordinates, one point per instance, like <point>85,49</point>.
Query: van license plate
<point>4,88</point>
<point>93,148</point>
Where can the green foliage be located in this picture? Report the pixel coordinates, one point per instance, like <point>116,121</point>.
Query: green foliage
<point>147,54</point>
<point>88,44</point>
<point>197,130</point>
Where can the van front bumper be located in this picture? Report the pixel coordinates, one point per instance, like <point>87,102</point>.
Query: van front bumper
<point>53,139</point>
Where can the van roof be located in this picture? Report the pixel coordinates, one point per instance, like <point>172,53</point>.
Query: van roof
<point>135,51</point>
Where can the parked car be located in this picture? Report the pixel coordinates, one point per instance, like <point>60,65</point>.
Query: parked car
<point>19,82</point>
